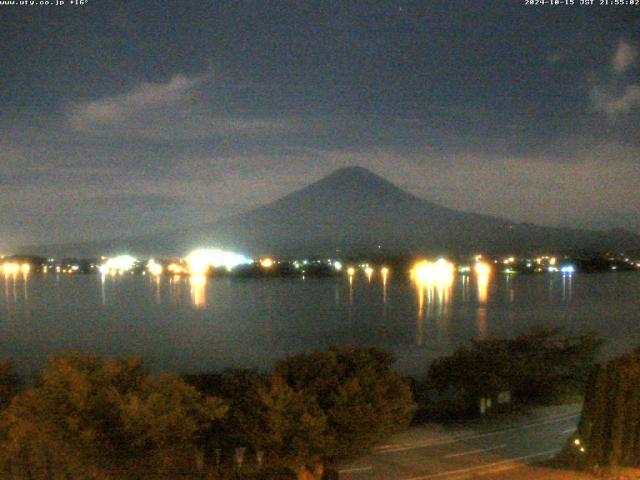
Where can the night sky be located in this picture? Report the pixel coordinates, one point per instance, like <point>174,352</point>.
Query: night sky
<point>119,118</point>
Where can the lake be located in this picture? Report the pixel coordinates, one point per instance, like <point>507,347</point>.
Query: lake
<point>191,324</point>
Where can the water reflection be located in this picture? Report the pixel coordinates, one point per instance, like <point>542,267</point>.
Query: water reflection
<point>175,290</point>
<point>198,285</point>
<point>417,320</point>
<point>369,272</point>
<point>157,281</point>
<point>509,293</point>
<point>434,284</point>
<point>11,278</point>
<point>103,293</point>
<point>483,274</point>
<point>567,287</point>
<point>385,273</point>
<point>351,272</point>
<point>481,322</point>
<point>465,288</point>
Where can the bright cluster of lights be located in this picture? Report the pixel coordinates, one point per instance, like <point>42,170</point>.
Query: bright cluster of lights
<point>119,264</point>
<point>12,268</point>
<point>154,267</point>
<point>426,271</point>
<point>201,260</point>
<point>266,262</point>
<point>482,268</point>
<point>176,269</point>
<point>368,271</point>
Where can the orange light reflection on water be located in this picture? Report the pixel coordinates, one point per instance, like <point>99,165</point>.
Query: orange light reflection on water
<point>198,285</point>
<point>434,283</point>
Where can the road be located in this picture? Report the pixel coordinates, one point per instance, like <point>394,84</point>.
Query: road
<point>489,449</point>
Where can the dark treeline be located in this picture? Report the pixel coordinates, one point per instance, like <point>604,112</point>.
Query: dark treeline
<point>89,418</point>
<point>537,368</point>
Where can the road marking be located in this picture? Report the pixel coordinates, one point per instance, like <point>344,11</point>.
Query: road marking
<point>503,468</point>
<point>471,436</point>
<point>568,430</point>
<point>502,463</point>
<point>355,469</point>
<point>477,450</point>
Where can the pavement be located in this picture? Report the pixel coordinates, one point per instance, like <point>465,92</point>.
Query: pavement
<point>502,447</point>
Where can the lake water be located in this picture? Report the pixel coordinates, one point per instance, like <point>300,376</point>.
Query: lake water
<point>196,324</point>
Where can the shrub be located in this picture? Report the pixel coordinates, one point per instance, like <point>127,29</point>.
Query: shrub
<point>536,368</point>
<point>89,418</point>
<point>363,399</point>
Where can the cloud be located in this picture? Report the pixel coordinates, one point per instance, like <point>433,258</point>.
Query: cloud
<point>626,56</point>
<point>614,96</point>
<point>555,57</point>
<point>183,108</point>
<point>613,104</point>
<point>87,116</point>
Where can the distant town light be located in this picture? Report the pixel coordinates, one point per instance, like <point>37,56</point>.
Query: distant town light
<point>482,268</point>
<point>154,267</point>
<point>200,260</point>
<point>175,268</point>
<point>10,268</point>
<point>337,265</point>
<point>266,262</point>
<point>425,271</point>
<point>369,271</point>
<point>351,271</point>
<point>119,264</point>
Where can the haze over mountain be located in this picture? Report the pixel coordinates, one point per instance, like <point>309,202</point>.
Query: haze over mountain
<point>354,211</point>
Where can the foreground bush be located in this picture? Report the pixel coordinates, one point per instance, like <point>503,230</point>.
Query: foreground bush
<point>536,368</point>
<point>9,383</point>
<point>94,419</point>
<point>314,408</point>
<point>363,399</point>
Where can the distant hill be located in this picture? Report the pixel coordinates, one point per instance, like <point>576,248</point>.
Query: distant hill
<point>354,211</point>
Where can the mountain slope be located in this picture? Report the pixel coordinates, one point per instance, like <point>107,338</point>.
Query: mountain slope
<point>355,211</point>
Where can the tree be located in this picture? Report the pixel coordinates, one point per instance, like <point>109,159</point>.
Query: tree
<point>240,389</point>
<point>89,418</point>
<point>536,368</point>
<point>9,383</point>
<point>267,415</point>
<point>609,430</point>
<point>363,399</point>
<point>293,428</point>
